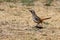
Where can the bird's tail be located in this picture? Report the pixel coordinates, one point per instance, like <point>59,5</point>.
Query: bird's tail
<point>46,18</point>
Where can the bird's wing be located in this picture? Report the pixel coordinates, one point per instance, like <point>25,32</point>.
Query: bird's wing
<point>37,18</point>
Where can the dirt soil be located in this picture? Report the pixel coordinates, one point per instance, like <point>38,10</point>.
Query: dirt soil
<point>16,21</point>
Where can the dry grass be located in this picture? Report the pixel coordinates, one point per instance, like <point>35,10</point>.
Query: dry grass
<point>16,21</point>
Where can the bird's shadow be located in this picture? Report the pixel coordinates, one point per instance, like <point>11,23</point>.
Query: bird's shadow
<point>38,27</point>
<point>34,28</point>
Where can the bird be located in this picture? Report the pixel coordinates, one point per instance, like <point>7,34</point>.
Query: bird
<point>37,19</point>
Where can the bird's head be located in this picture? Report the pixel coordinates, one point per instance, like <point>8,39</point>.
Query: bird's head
<point>32,11</point>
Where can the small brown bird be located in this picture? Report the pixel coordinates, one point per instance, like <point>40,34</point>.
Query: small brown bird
<point>37,19</point>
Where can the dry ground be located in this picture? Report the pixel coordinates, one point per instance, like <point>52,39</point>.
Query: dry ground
<point>16,21</point>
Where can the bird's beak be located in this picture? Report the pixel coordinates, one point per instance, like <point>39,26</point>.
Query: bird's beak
<point>30,10</point>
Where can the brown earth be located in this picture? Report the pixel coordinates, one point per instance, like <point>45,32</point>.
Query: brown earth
<point>16,21</point>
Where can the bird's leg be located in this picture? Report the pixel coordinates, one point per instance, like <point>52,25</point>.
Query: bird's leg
<point>38,26</point>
